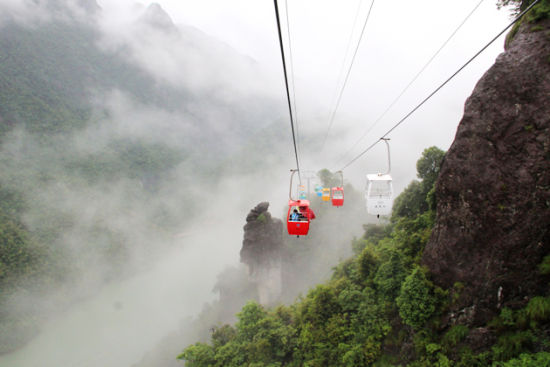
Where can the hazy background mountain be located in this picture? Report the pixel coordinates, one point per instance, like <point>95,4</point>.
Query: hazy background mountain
<point>111,139</point>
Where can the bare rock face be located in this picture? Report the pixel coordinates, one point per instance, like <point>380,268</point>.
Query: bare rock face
<point>263,239</point>
<point>493,191</point>
<point>262,250</point>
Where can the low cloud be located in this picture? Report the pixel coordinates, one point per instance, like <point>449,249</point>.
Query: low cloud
<point>180,56</point>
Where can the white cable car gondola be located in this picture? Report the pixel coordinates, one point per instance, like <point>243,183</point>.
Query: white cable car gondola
<point>379,191</point>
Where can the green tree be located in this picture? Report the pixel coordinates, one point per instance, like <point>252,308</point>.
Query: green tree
<point>517,5</point>
<point>541,359</point>
<point>223,335</point>
<point>414,199</point>
<point>389,276</point>
<point>198,355</point>
<point>249,318</point>
<point>20,258</point>
<point>428,166</point>
<point>329,179</point>
<point>376,232</point>
<point>410,202</point>
<point>367,263</point>
<point>416,302</point>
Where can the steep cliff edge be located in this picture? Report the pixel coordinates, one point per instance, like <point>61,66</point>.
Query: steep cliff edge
<point>493,191</point>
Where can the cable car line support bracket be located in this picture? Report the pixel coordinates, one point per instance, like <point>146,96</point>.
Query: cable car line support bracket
<point>291,178</point>
<point>389,158</point>
<point>342,177</point>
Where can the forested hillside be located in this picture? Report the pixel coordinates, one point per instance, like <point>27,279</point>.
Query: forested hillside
<point>381,308</point>
<point>350,319</point>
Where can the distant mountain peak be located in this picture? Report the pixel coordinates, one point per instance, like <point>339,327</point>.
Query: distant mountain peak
<point>155,16</point>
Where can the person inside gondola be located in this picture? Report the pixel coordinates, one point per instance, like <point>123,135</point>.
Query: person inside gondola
<point>307,212</point>
<point>295,216</point>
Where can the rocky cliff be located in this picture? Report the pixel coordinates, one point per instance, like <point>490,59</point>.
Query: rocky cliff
<point>493,192</point>
<point>262,250</point>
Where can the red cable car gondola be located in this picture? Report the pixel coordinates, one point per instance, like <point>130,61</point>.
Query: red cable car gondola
<point>298,217</point>
<point>299,214</point>
<point>337,196</point>
<point>338,193</point>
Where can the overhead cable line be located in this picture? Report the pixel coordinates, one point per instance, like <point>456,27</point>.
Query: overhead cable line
<point>287,90</point>
<point>369,129</point>
<point>442,85</point>
<point>343,66</point>
<point>292,77</point>
<point>347,76</point>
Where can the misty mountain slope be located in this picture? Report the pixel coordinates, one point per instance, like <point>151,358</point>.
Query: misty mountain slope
<point>38,88</point>
<point>227,97</point>
<point>102,159</point>
<point>57,78</point>
<point>51,75</point>
<point>62,71</point>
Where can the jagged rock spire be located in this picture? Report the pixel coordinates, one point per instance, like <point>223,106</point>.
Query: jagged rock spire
<point>261,251</point>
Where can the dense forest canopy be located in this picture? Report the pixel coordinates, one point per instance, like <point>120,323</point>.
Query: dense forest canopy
<point>380,308</point>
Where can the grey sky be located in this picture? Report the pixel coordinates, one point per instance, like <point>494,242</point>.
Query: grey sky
<point>400,38</point>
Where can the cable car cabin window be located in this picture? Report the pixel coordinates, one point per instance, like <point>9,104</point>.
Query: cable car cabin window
<point>297,216</point>
<point>380,189</point>
<point>337,194</point>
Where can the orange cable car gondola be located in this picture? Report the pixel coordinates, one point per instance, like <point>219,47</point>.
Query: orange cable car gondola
<point>326,194</point>
<point>338,193</point>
